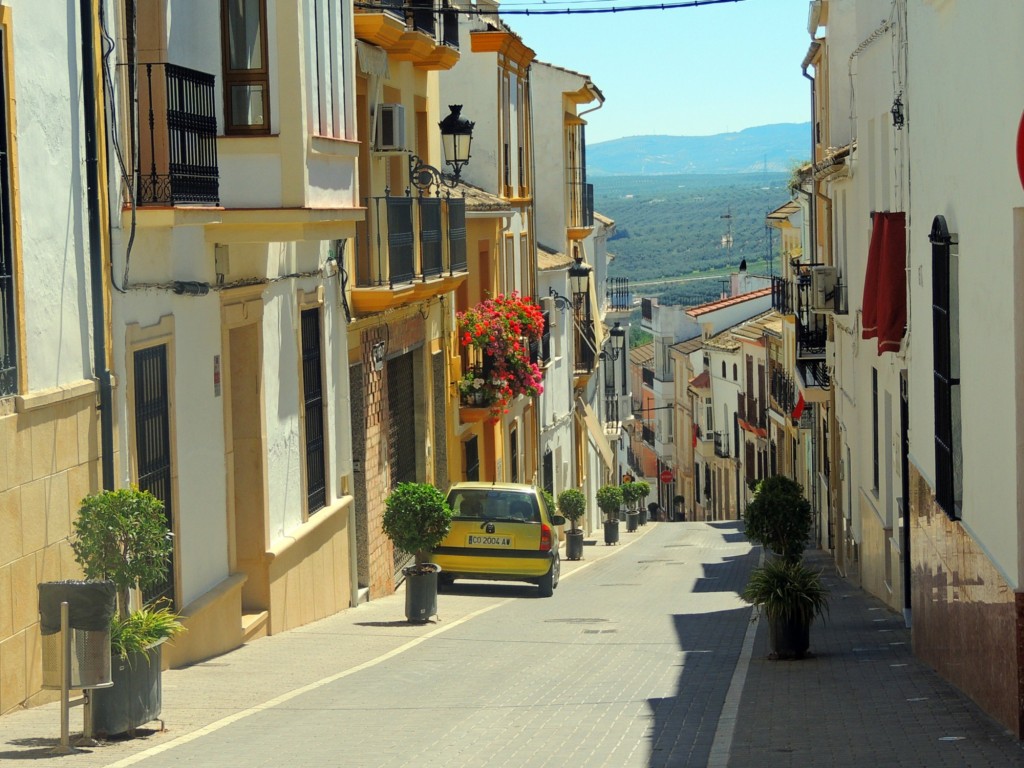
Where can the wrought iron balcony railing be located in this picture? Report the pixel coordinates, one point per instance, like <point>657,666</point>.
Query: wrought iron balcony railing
<point>722,445</point>
<point>178,137</point>
<point>811,337</point>
<point>438,19</point>
<point>648,435</point>
<point>783,390</point>
<point>611,407</point>
<point>619,297</point>
<point>783,300</point>
<point>407,238</point>
<point>584,345</point>
<point>581,203</point>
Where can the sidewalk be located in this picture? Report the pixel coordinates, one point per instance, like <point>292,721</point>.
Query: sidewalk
<point>862,699</point>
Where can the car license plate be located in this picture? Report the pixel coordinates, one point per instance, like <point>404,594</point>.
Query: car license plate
<point>476,540</point>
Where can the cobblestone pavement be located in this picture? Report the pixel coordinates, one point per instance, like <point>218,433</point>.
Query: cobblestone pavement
<point>645,656</point>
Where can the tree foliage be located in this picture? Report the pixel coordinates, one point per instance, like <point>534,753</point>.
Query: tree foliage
<point>416,518</point>
<point>122,536</point>
<point>572,504</point>
<point>779,517</point>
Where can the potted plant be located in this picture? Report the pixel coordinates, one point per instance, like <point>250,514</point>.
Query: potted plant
<point>643,488</point>
<point>679,502</point>
<point>472,390</point>
<point>122,536</point>
<point>416,519</point>
<point>572,504</point>
<point>501,330</point>
<point>779,517</point>
<point>609,500</point>
<point>790,595</point>
<point>631,494</point>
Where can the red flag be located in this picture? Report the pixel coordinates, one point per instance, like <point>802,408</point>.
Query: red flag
<point>798,409</point>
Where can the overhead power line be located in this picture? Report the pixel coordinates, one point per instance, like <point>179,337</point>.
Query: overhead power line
<point>542,10</point>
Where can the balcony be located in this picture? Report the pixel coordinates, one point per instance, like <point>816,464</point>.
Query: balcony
<point>783,391</point>
<point>177,137</point>
<point>611,406</point>
<point>581,205</point>
<point>617,294</point>
<point>722,445</point>
<point>783,300</point>
<point>584,345</point>
<point>648,435</point>
<point>409,248</point>
<point>811,337</point>
<point>424,32</point>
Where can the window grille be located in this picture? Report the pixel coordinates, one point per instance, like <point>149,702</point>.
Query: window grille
<point>153,444</point>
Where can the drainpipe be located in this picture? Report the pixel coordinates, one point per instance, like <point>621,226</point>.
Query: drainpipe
<point>96,252</point>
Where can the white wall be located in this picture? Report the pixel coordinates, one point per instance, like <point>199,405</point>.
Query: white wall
<point>963,123</point>
<point>52,215</point>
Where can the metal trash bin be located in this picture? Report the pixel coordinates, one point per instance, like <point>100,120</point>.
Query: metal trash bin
<point>91,606</point>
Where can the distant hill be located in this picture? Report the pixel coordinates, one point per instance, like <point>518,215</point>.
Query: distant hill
<point>774,148</point>
<point>676,235</point>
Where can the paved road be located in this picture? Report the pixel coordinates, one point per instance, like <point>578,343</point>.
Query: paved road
<point>644,657</point>
<point>628,665</point>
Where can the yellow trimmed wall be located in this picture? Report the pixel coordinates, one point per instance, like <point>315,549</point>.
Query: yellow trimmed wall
<point>49,463</point>
<point>309,572</point>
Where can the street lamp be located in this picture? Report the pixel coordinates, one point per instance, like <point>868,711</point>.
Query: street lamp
<point>579,285</point>
<point>618,343</point>
<point>579,282</point>
<point>456,137</point>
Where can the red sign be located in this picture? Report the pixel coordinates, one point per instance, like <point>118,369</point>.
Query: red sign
<point>1020,149</point>
<point>666,476</point>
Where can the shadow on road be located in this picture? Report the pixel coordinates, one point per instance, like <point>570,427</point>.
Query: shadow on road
<point>684,724</point>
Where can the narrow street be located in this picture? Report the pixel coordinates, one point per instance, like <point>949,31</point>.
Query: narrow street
<point>628,665</point>
<point>645,656</point>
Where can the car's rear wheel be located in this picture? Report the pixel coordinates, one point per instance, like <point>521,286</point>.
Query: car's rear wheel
<point>445,581</point>
<point>547,583</point>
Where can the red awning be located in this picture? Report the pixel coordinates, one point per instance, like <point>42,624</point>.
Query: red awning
<point>884,309</point>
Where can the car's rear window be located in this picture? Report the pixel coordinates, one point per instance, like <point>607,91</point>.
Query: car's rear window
<point>493,504</point>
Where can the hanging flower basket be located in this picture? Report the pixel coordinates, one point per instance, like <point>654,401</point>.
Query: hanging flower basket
<point>501,330</point>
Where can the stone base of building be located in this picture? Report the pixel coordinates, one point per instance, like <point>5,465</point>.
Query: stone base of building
<point>967,621</point>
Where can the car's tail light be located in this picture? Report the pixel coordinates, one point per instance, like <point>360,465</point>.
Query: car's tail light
<point>545,537</point>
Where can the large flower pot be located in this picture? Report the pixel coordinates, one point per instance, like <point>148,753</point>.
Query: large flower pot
<point>632,520</point>
<point>611,531</point>
<point>788,639</point>
<point>421,592</point>
<point>135,698</point>
<point>574,545</point>
<point>643,515</point>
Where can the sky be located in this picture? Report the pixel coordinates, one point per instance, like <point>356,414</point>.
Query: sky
<point>689,71</point>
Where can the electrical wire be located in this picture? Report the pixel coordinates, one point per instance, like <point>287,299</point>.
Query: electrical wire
<point>541,10</point>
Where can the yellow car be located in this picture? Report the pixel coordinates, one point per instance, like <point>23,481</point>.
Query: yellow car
<point>500,532</point>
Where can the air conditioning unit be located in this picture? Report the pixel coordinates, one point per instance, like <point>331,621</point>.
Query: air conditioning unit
<point>390,128</point>
<point>824,283</point>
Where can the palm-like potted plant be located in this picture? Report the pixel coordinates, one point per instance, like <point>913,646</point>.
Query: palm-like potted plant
<point>122,536</point>
<point>416,519</point>
<point>609,499</point>
<point>780,519</point>
<point>572,504</point>
<point>791,596</point>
